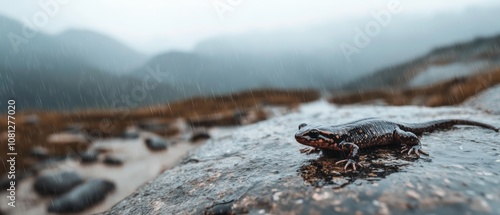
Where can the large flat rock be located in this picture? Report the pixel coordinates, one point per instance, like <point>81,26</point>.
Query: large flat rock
<point>258,169</point>
<point>489,100</point>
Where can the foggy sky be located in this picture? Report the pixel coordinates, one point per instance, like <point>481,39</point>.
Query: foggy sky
<point>155,26</point>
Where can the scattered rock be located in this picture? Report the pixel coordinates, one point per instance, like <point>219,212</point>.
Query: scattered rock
<point>57,183</point>
<point>82,197</point>
<point>199,135</point>
<point>39,152</point>
<point>113,160</point>
<point>88,157</point>
<point>156,143</point>
<point>130,134</point>
<point>5,182</point>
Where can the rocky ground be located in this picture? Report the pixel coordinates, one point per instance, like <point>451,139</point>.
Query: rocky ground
<point>256,168</point>
<point>259,169</point>
<point>64,167</point>
<point>137,165</point>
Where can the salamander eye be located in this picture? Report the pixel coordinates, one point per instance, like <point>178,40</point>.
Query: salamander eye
<point>313,134</point>
<point>302,125</point>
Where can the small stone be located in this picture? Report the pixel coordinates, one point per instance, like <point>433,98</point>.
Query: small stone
<point>88,157</point>
<point>130,134</point>
<point>57,183</point>
<point>112,160</point>
<point>199,135</point>
<point>156,143</point>
<point>82,197</point>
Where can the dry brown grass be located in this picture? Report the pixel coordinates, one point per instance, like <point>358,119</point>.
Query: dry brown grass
<point>107,123</point>
<point>445,93</point>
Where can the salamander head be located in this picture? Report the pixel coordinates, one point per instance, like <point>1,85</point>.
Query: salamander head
<point>318,136</point>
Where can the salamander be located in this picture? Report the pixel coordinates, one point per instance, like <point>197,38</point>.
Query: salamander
<point>373,132</point>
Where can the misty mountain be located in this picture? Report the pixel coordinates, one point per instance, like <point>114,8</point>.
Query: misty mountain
<point>440,64</point>
<point>311,57</point>
<point>79,68</point>
<point>23,49</point>
<point>66,71</point>
<point>197,74</point>
<point>99,51</point>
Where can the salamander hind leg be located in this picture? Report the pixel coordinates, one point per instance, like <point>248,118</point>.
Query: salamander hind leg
<point>410,142</point>
<point>352,159</point>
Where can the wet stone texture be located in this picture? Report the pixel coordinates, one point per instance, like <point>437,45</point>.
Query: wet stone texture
<point>488,101</point>
<point>259,169</point>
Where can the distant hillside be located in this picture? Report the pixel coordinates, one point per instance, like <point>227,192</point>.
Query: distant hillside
<point>70,71</point>
<point>90,48</point>
<point>310,57</point>
<point>441,64</point>
<point>201,74</point>
<point>45,88</point>
<point>99,51</point>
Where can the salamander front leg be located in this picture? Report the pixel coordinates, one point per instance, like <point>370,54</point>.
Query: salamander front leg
<point>353,157</point>
<point>410,142</point>
<point>309,150</point>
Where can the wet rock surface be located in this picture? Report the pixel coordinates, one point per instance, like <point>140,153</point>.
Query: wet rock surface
<point>259,169</point>
<point>57,183</point>
<point>82,197</point>
<point>488,101</point>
